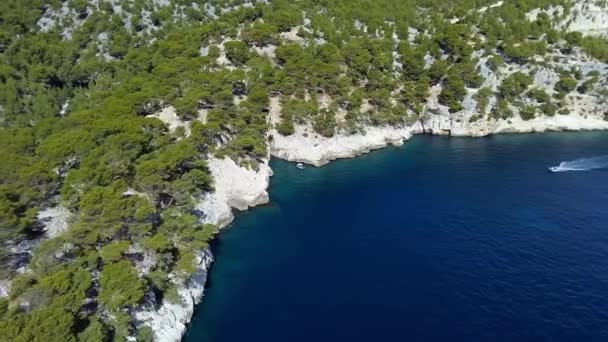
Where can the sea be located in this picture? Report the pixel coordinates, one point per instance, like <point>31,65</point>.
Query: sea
<point>442,239</point>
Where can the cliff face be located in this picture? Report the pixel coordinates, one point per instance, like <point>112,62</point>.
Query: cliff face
<point>588,18</point>
<point>585,16</point>
<point>235,188</point>
<point>311,148</point>
<point>168,322</point>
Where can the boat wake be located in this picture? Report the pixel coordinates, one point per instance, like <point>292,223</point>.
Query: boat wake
<point>583,164</point>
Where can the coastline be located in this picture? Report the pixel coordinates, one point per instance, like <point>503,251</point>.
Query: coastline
<point>433,192</point>
<point>114,169</point>
<point>236,188</point>
<point>240,188</point>
<point>314,149</point>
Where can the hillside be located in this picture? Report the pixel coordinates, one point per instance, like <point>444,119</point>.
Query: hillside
<point>130,129</point>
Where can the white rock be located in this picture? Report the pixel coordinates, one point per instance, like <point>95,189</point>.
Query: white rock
<point>589,18</point>
<point>55,220</point>
<point>558,122</point>
<point>169,322</point>
<point>291,36</point>
<point>235,187</point>
<point>268,50</point>
<point>485,8</point>
<point>202,115</point>
<point>170,118</point>
<point>274,117</point>
<point>306,146</point>
<point>5,288</point>
<point>64,108</point>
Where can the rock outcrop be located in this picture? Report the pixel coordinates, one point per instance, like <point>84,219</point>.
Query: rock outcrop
<point>169,321</point>
<point>54,220</point>
<point>589,17</point>
<point>235,187</point>
<point>309,147</point>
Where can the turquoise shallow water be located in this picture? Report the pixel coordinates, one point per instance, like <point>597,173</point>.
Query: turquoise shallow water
<point>443,239</point>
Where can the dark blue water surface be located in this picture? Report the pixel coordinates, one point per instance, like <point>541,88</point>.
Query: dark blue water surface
<point>444,239</point>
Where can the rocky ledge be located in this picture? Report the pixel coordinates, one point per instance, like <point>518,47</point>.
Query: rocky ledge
<point>308,147</point>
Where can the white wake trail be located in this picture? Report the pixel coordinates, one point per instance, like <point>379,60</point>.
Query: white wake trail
<point>583,164</point>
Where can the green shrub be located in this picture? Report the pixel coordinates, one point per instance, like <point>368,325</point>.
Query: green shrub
<point>514,85</point>
<point>120,286</point>
<point>566,84</point>
<point>286,127</point>
<point>114,251</point>
<point>172,295</point>
<point>548,109</point>
<point>237,52</point>
<point>527,112</point>
<point>95,331</point>
<point>540,95</point>
<point>453,92</point>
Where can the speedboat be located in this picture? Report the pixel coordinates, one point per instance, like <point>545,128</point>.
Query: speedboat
<point>554,169</point>
<point>300,166</point>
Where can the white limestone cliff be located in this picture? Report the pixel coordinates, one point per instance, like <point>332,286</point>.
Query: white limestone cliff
<point>169,321</point>
<point>309,147</point>
<point>235,187</point>
<point>589,17</point>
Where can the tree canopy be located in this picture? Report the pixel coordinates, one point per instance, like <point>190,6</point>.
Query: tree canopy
<point>85,86</point>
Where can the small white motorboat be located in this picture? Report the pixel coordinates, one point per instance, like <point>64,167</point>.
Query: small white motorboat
<point>300,166</point>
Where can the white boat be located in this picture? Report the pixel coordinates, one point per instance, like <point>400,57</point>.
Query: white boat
<point>300,166</point>
<point>554,168</point>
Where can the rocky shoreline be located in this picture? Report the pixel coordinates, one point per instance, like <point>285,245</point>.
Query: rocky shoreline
<point>534,81</point>
<point>240,188</point>
<point>305,146</point>
<point>235,188</point>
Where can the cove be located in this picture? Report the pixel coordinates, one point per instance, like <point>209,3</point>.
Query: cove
<point>455,239</point>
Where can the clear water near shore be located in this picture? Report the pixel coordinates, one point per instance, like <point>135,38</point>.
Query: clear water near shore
<point>443,239</point>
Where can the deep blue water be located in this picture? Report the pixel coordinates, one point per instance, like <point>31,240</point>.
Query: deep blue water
<point>444,239</point>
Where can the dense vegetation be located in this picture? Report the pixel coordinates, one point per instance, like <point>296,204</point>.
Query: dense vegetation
<point>77,100</point>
